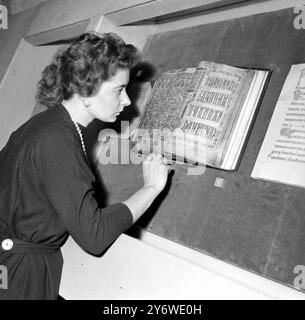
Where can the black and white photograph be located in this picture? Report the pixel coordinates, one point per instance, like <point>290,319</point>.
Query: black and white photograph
<point>152,154</point>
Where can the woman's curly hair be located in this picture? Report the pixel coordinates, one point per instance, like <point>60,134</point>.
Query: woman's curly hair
<point>83,66</point>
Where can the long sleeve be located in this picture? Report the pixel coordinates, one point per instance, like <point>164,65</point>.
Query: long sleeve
<point>68,181</point>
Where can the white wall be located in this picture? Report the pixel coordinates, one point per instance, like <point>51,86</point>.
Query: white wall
<point>16,6</point>
<point>18,87</point>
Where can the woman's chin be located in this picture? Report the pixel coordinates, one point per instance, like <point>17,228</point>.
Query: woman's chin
<point>115,116</point>
<point>113,119</point>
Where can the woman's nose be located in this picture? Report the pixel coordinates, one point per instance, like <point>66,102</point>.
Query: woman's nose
<point>126,100</point>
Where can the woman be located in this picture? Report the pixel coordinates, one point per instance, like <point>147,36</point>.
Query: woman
<point>46,183</point>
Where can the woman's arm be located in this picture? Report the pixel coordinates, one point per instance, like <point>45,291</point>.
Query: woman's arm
<point>155,172</point>
<point>67,184</point>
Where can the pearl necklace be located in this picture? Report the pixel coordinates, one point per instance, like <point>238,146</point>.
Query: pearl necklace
<point>81,137</point>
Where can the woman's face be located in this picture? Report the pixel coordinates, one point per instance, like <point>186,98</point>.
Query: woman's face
<point>111,98</point>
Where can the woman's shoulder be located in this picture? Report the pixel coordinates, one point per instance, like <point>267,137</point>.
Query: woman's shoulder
<point>56,137</point>
<point>53,122</point>
<point>44,130</point>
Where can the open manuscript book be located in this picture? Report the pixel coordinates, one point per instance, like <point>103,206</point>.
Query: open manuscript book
<point>201,114</point>
<point>282,154</point>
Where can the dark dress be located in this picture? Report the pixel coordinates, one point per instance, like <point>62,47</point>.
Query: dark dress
<point>46,193</point>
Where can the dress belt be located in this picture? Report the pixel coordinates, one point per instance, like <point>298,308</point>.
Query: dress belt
<point>13,245</point>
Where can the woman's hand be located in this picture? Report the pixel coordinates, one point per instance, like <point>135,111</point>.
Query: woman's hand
<point>155,172</point>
